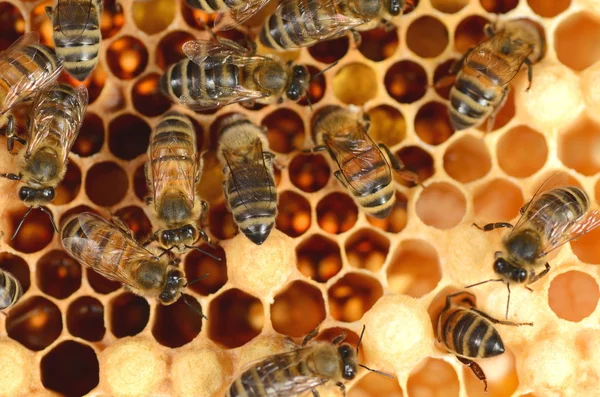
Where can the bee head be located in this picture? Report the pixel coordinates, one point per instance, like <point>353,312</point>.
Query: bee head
<point>348,355</point>
<point>395,7</point>
<point>185,235</point>
<point>510,271</point>
<point>174,284</point>
<point>30,195</point>
<point>299,84</point>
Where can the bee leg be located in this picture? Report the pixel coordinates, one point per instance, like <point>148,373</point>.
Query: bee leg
<point>48,10</point>
<point>529,73</point>
<point>356,37</point>
<point>338,175</point>
<point>318,148</point>
<point>538,276</point>
<point>496,321</point>
<point>399,167</point>
<point>339,339</point>
<point>11,136</point>
<point>315,393</point>
<point>476,370</point>
<point>342,387</point>
<point>492,118</point>
<point>310,336</point>
<point>492,226</point>
<point>12,177</point>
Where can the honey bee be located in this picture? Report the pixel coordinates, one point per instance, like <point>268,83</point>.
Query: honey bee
<point>364,167</point>
<point>54,121</point>
<point>10,290</point>
<point>26,67</point>
<point>249,183</point>
<point>301,370</point>
<point>469,333</point>
<point>484,72</point>
<point>553,217</point>
<point>303,23</point>
<point>225,72</point>
<point>230,13</point>
<point>76,34</point>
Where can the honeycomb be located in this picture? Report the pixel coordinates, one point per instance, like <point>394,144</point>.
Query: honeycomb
<point>327,265</point>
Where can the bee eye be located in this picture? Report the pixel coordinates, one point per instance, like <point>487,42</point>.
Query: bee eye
<point>394,7</point>
<point>24,193</point>
<point>48,193</point>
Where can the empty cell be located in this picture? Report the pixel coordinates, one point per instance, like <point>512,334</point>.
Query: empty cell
<point>379,43</point>
<point>298,310</point>
<point>127,57</point>
<point>396,220</point>
<point>575,41</point>
<point>387,125</point>
<point>375,385</point>
<point>501,373</point>
<point>34,323</point>
<point>432,123</point>
<point>153,16</point>
<point>352,296</point>
<point>406,81</point>
<point>499,6</point>
<point>294,217</point>
<point>467,159</point>
<point>497,201</point>
<point>449,6</point>
<point>367,249</point>
<point>221,223</point>
<point>441,205</point>
<point>235,318</point>
<point>137,221</point>
<point>318,258</point>
<point>316,88</point>
<point>101,284</point>
<point>427,37</point>
<point>578,147</point>
<point>69,187</point>
<point>433,377</point>
<point>129,315</point>
<point>36,230</point>
<point>573,295</point>
<point>91,136</point>
<point>169,49</point>
<point>330,51</point>
<point>522,151</point>
<point>443,79</point>
<point>177,324</point>
<point>309,172</point>
<point>470,32</point>
<point>58,274</point>
<point>198,264</point>
<point>549,9</point>
<point>85,319</point>
<point>414,269</point>
<point>106,184</point>
<point>70,368</point>
<point>285,130</point>
<point>112,19</point>
<point>16,266</point>
<point>12,27</point>
<point>128,136</point>
<point>140,187</point>
<point>416,160</point>
<point>350,90</point>
<point>336,213</point>
<point>146,97</point>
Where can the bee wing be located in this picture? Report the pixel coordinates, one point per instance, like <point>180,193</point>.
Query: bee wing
<point>237,15</point>
<point>566,232</point>
<point>210,53</point>
<point>72,17</point>
<point>486,55</point>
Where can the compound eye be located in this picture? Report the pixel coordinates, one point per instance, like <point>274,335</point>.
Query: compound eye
<point>293,94</point>
<point>188,231</point>
<point>24,193</point>
<point>522,274</point>
<point>48,193</point>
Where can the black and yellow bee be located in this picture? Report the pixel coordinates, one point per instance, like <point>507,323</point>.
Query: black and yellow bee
<point>230,13</point>
<point>10,290</point>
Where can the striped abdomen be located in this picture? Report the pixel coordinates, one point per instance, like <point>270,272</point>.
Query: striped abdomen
<point>558,206</point>
<point>10,290</point>
<point>212,5</point>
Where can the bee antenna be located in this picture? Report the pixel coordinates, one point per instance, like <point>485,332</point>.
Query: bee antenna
<point>203,251</point>
<point>208,29</point>
<point>360,338</point>
<point>196,280</point>
<point>323,71</point>
<point>193,308</point>
<point>377,371</point>
<point>21,223</point>
<point>483,282</point>
<point>45,211</point>
<point>165,251</point>
<point>507,301</point>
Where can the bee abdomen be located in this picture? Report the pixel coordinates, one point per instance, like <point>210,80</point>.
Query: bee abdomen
<point>470,335</point>
<point>280,34</point>
<point>10,290</point>
<point>91,242</point>
<point>44,57</point>
<point>472,100</point>
<point>379,204</point>
<point>174,129</point>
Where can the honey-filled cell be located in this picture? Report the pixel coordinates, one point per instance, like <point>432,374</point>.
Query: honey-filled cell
<point>285,130</point>
<point>427,37</point>
<point>499,6</point>
<point>388,125</point>
<point>153,16</point>
<point>432,123</point>
<point>379,43</point>
<point>318,258</point>
<point>350,90</point>
<point>309,172</point>
<point>127,57</point>
<point>366,249</point>
<point>294,214</point>
<point>69,187</point>
<point>337,213</point>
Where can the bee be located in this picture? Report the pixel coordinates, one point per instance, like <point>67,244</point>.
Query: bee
<point>10,290</point>
<point>481,86</point>
<point>364,167</point>
<point>222,72</point>
<point>555,215</point>
<point>76,34</point>
<point>25,68</point>
<point>54,121</point>
<point>230,13</point>
<point>303,23</point>
<point>248,182</point>
<point>469,333</point>
<point>301,370</point>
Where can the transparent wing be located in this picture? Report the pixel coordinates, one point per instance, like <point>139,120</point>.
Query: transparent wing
<point>489,55</point>
<point>237,94</point>
<point>208,53</point>
<point>568,232</point>
<point>72,17</point>
<point>239,14</point>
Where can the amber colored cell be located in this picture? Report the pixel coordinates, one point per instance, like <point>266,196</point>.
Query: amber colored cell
<point>497,201</point>
<point>192,17</point>
<point>350,90</point>
<point>441,205</point>
<point>374,385</point>
<point>316,87</point>
<point>297,310</point>
<point>330,51</point>
<point>549,9</point>
<point>128,136</point>
<point>169,48</point>
<point>522,151</point>
<point>406,81</point>
<point>467,159</point>
<point>573,295</point>
<point>69,187</point>
<point>416,160</point>
<point>12,27</point>
<point>396,221</point>
<point>146,97</point>
<point>198,264</point>
<point>177,324</point>
<point>153,16</point>
<point>106,184</point>
<point>36,231</point>
<point>137,221</point>
<point>235,318</point>
<point>70,368</point>
<point>427,37</point>
<point>576,147</point>
<point>443,79</point>
<point>433,377</point>
<point>352,296</point>
<point>575,41</point>
<point>449,6</point>
<point>414,269</point>
<point>140,187</point>
<point>94,83</point>
<point>379,43</point>
<point>432,123</point>
<point>308,172</point>
<point>85,319</point>
<point>127,57</point>
<point>58,274</point>
<point>293,216</point>
<point>336,213</point>
<point>285,130</point>
<point>112,19</point>
<point>503,115</point>
<point>129,315</point>
<point>101,284</point>
<point>470,32</point>
<point>16,266</point>
<point>72,211</point>
<point>91,136</point>
<point>367,249</point>
<point>499,6</point>
<point>387,125</point>
<point>34,323</point>
<point>318,258</point>
<point>221,223</point>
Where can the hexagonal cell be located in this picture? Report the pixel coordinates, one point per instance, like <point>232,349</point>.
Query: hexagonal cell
<point>576,147</point>
<point>443,78</point>
<point>221,223</point>
<point>499,6</point>
<point>293,216</point>
<point>297,310</point>
<point>350,90</point>
<point>367,249</point>
<point>316,87</point>
<point>433,377</point>
<point>522,151</point>
<point>432,123</point>
<point>193,15</point>
<point>449,7</point>
<point>441,205</point>
<point>69,187</point>
<point>549,9</point>
<point>101,284</point>
<point>94,83</point>
<point>497,201</point>
<point>106,183</point>
<point>36,230</point>
<point>337,213</point>
<point>85,319</point>
<point>374,385</point>
<point>414,269</point>
<point>574,41</point>
<point>379,43</point>
<point>91,136</point>
<point>235,318</point>
<point>427,37</point>
<point>406,81</point>
<point>12,26</point>
<point>387,125</point>
<point>469,32</point>
<point>197,264</point>
<point>129,315</point>
<point>177,324</point>
<point>70,368</point>
<point>58,274</point>
<point>34,323</point>
<point>309,172</point>
<point>128,136</point>
<point>352,296</point>
<point>127,57</point>
<point>396,221</point>
<point>318,258</point>
<point>285,130</point>
<point>16,266</point>
<point>140,187</point>
<point>330,51</point>
<point>573,295</point>
<point>135,218</point>
<point>153,16</point>
<point>416,160</point>
<point>112,19</point>
<point>169,49</point>
<point>146,97</point>
<point>467,159</point>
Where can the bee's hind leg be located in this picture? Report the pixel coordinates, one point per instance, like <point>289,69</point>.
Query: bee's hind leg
<point>11,135</point>
<point>476,370</point>
<point>342,388</point>
<point>538,276</point>
<point>492,226</point>
<point>310,336</point>
<point>315,393</point>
